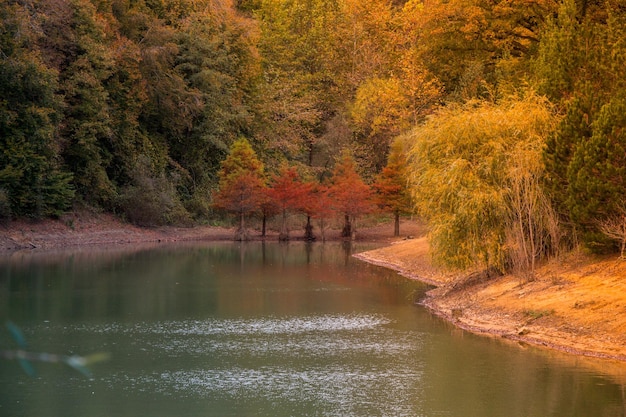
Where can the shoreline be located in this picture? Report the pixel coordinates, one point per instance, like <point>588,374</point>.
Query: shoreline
<point>577,307</point>
<point>83,229</point>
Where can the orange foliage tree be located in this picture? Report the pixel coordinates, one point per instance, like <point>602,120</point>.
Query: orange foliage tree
<point>349,195</point>
<point>289,195</point>
<point>392,192</point>
<point>316,206</point>
<point>242,185</point>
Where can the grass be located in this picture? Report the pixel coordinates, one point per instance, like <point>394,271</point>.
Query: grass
<point>537,314</point>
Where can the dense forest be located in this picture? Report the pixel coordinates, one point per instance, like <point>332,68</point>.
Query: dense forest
<point>504,118</point>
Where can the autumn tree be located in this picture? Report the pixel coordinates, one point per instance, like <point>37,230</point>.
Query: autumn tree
<point>391,186</point>
<point>288,193</point>
<point>475,172</point>
<point>267,209</point>
<point>320,208</point>
<point>472,47</point>
<point>350,197</point>
<point>241,184</point>
<point>297,45</point>
<point>394,89</point>
<point>313,208</point>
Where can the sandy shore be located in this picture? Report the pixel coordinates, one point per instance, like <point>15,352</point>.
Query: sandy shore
<point>577,305</point>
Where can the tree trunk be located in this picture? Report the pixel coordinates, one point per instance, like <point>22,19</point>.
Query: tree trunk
<point>308,230</point>
<point>347,227</point>
<point>396,224</point>
<point>263,226</point>
<point>283,236</point>
<point>242,234</point>
<point>322,225</point>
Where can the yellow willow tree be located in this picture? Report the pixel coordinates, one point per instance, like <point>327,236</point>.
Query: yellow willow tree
<point>475,173</point>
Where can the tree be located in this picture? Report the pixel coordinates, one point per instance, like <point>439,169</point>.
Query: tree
<point>289,194</point>
<point>151,199</point>
<point>127,97</point>
<point>319,207</point>
<point>391,186</point>
<point>300,89</point>
<point>579,65</point>
<point>614,228</point>
<point>241,184</point>
<point>532,224</point>
<point>349,195</point>
<point>87,126</point>
<point>31,178</point>
<point>217,61</point>
<point>469,167</point>
<point>597,171</point>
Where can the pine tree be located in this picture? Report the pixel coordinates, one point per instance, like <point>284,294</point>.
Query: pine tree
<point>580,64</point>
<point>597,171</point>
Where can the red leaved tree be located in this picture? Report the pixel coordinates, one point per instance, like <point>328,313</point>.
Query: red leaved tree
<point>349,195</point>
<point>290,195</point>
<point>318,206</point>
<point>241,184</point>
<point>392,191</point>
<point>267,209</point>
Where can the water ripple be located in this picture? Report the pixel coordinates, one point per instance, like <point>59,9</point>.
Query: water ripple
<point>271,325</point>
<point>339,390</point>
<point>268,325</point>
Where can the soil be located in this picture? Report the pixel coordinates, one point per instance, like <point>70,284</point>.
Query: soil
<point>85,228</point>
<point>576,305</point>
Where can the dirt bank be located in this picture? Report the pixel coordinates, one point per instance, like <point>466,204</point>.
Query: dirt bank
<point>86,228</point>
<point>577,305</point>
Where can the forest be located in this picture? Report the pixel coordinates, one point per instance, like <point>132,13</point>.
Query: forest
<point>500,123</point>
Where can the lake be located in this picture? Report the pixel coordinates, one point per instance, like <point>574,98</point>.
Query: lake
<point>266,329</point>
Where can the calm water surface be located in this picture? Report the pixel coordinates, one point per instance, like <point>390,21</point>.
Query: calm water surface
<point>266,330</point>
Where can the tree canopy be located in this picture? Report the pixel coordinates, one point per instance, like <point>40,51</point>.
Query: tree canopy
<point>475,172</point>
<point>241,184</point>
<point>114,103</point>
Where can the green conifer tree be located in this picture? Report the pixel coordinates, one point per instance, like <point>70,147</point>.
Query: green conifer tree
<point>30,177</point>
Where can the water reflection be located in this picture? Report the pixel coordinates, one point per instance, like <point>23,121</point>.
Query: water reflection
<point>268,330</point>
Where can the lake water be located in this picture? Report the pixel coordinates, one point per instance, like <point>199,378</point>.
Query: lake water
<point>225,329</point>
